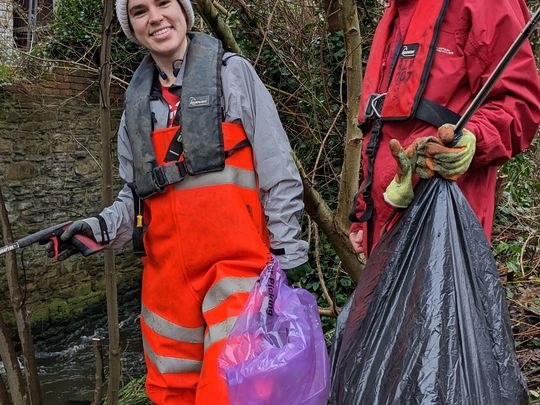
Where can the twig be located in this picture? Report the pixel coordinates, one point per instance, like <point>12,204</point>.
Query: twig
<point>523,248</point>
<point>81,66</point>
<point>319,269</point>
<point>90,153</point>
<point>98,354</point>
<point>221,9</point>
<point>324,142</point>
<point>330,312</point>
<point>265,33</point>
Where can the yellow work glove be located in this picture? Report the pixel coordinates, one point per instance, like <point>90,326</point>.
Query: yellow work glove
<point>450,162</point>
<point>399,192</point>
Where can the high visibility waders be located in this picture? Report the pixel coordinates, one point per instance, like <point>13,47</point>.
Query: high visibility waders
<point>206,243</point>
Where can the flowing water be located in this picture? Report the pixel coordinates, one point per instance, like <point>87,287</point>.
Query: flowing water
<point>66,359</point>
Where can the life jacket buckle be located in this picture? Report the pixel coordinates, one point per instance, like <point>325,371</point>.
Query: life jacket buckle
<point>159,178</point>
<point>374,106</point>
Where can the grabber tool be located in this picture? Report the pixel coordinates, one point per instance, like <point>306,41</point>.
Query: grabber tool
<point>79,243</point>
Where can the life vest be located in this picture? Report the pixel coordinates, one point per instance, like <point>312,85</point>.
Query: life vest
<point>200,133</point>
<point>410,67</point>
<point>200,113</point>
<point>409,73</point>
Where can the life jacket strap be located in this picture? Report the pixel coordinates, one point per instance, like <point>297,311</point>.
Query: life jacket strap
<point>435,114</point>
<point>240,145</point>
<point>157,180</point>
<point>138,226</point>
<point>176,147</point>
<point>428,111</point>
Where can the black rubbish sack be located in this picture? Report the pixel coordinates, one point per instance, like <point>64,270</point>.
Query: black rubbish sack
<point>428,322</point>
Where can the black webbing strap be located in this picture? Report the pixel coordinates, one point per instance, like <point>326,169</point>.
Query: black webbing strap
<point>428,111</point>
<point>138,228</point>
<point>157,180</point>
<point>435,114</point>
<point>176,147</point>
<point>371,151</point>
<point>105,239</point>
<point>237,147</point>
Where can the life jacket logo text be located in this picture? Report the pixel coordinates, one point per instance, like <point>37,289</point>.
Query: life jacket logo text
<point>203,101</point>
<point>409,51</point>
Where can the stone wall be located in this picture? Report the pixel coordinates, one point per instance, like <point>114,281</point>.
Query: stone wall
<point>67,82</point>
<point>50,172</point>
<point>6,28</point>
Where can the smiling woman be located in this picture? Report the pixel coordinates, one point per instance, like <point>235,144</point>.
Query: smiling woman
<point>211,192</point>
<point>160,26</point>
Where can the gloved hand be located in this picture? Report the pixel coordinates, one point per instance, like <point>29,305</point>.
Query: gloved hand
<point>295,274</point>
<point>450,162</point>
<point>77,227</point>
<point>399,192</point>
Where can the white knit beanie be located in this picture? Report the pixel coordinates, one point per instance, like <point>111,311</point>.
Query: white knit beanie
<point>122,15</point>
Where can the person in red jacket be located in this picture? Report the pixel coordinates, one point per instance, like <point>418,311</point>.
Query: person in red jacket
<point>428,60</point>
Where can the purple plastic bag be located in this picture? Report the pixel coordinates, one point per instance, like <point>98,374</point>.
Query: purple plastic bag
<point>275,353</point>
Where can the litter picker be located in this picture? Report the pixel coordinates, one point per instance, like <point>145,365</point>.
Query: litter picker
<point>80,243</point>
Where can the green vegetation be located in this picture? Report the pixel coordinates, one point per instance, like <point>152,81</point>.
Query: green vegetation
<point>133,393</point>
<point>75,36</point>
<point>301,62</point>
<point>7,76</point>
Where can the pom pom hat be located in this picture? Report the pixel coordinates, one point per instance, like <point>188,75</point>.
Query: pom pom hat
<point>122,15</point>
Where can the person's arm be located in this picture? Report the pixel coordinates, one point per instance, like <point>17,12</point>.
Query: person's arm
<point>119,216</point>
<point>248,101</point>
<point>508,119</point>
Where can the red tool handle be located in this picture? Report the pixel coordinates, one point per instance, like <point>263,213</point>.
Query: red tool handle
<point>78,244</point>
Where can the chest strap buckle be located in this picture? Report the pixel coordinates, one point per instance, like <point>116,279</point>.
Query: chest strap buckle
<point>374,106</point>
<point>157,180</point>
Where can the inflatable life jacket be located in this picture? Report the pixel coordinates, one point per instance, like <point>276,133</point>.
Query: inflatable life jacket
<point>409,72</point>
<point>199,139</point>
<point>200,113</point>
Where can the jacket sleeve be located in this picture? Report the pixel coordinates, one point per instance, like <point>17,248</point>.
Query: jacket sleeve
<point>119,216</point>
<point>508,119</point>
<point>247,100</point>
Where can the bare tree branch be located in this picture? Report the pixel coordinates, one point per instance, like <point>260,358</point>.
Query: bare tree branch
<point>212,17</point>
<point>353,139</point>
<point>22,315</point>
<point>115,368</point>
<point>11,365</point>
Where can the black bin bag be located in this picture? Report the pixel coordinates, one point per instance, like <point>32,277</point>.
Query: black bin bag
<point>428,322</point>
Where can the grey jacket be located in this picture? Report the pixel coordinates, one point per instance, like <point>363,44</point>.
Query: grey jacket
<point>247,101</point>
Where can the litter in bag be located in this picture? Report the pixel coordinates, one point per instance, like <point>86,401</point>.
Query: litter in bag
<point>276,353</point>
<point>428,322</point>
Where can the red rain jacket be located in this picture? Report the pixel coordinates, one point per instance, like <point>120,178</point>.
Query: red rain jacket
<point>474,36</point>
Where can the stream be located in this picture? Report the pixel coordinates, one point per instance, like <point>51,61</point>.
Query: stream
<point>65,357</point>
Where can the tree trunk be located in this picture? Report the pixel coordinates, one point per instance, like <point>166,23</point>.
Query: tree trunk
<point>98,355</point>
<point>13,371</point>
<point>334,226</point>
<point>353,140</point>
<point>107,198</point>
<point>319,211</point>
<point>4,394</point>
<point>21,314</point>
<point>210,14</point>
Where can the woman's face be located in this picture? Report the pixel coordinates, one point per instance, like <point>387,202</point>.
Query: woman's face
<point>158,25</point>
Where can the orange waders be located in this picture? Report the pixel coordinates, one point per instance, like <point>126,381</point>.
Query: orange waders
<point>206,243</point>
